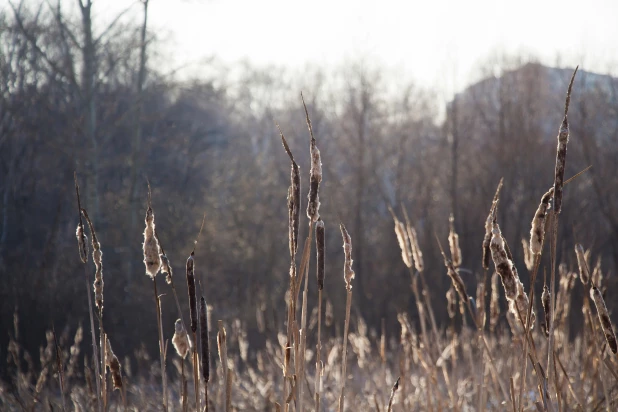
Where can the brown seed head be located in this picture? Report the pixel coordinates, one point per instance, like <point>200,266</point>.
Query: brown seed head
<point>604,319</point>
<point>545,300</point>
<point>537,232</point>
<point>348,273</point>
<point>114,366</point>
<point>404,243</point>
<point>191,290</point>
<point>204,340</point>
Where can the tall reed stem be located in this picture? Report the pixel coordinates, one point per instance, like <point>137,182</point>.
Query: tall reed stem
<point>348,305</point>
<point>161,344</point>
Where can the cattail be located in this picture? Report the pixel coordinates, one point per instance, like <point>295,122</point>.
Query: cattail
<point>166,268</point>
<point>606,323</point>
<point>528,256</point>
<point>545,300</point>
<point>97,258</point>
<point>204,340</point>
<point>315,176</point>
<point>513,288</point>
<point>152,252</point>
<point>494,303</point>
<point>597,274</point>
<point>293,199</point>
<point>417,254</point>
<point>563,139</point>
<point>404,243</point>
<point>537,232</point>
<point>584,273</point>
<point>180,339</point>
<point>489,226</point>
<point>82,242</point>
<point>191,290</point>
<point>114,365</point>
<point>480,303</point>
<point>453,242</point>
<point>455,278</point>
<point>348,272</point>
<point>319,242</point>
<point>451,299</point>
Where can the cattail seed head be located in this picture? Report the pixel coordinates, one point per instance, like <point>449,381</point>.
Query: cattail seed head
<point>315,178</point>
<point>191,290</point>
<point>453,242</point>
<point>597,274</point>
<point>82,242</point>
<point>293,199</point>
<point>494,303</point>
<point>528,256</point>
<point>319,243</point>
<point>545,300</point>
<point>480,303</point>
<point>348,272</point>
<point>180,339</point>
<point>404,243</point>
<point>606,323</point>
<point>152,259</point>
<point>97,258</point>
<point>417,254</point>
<point>204,340</point>
<point>451,299</point>
<point>114,365</point>
<point>166,268</point>
<point>561,151</point>
<point>584,272</point>
<point>537,232</point>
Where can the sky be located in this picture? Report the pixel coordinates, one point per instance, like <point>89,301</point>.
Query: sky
<point>439,43</point>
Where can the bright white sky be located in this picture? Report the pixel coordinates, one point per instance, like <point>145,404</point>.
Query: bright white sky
<point>436,42</point>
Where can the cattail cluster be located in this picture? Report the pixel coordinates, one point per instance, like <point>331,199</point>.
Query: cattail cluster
<point>180,339</point>
<point>537,232</point>
<point>545,300</point>
<point>152,259</point>
<point>114,365</point>
<point>319,243</point>
<point>97,258</point>
<point>453,242</point>
<point>561,151</point>
<point>191,290</point>
<point>494,302</point>
<point>606,323</point>
<point>204,340</point>
<point>404,243</point>
<point>348,272</point>
<point>584,272</point>
<point>513,288</point>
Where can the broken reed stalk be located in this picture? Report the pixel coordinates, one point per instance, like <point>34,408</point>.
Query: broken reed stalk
<point>561,151</point>
<point>193,315</point>
<point>348,274</point>
<point>205,349</point>
<point>320,266</point>
<point>83,254</point>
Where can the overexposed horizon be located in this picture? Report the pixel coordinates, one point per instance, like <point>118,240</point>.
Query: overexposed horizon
<point>438,44</point>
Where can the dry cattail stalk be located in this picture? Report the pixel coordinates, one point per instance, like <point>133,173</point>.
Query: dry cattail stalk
<point>597,274</point>
<point>451,299</point>
<point>489,226</point>
<point>348,272</point>
<point>180,339</point>
<point>114,365</point>
<point>97,258</point>
<point>455,278</point>
<point>604,319</point>
<point>315,174</point>
<point>293,199</point>
<point>404,244</point>
<point>152,258</point>
<point>82,240</point>
<point>545,300</point>
<point>453,242</point>
<point>319,242</point>
<point>513,288</point>
<point>204,341</point>
<point>584,272</point>
<point>537,232</point>
<point>563,139</point>
<point>393,391</point>
<point>494,303</point>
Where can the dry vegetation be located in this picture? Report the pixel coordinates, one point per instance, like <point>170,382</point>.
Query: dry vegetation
<point>476,363</point>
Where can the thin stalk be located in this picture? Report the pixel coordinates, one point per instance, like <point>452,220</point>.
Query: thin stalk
<point>196,378</point>
<point>161,344</point>
<point>102,345</point>
<point>348,305</point>
<point>95,355</point>
<point>183,386</point>
<point>318,361</point>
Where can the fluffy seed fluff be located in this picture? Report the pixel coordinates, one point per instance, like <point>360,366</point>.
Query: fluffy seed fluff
<point>348,272</point>
<point>152,259</point>
<point>404,243</point>
<point>82,242</point>
<point>97,257</point>
<point>537,232</point>
<point>180,339</point>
